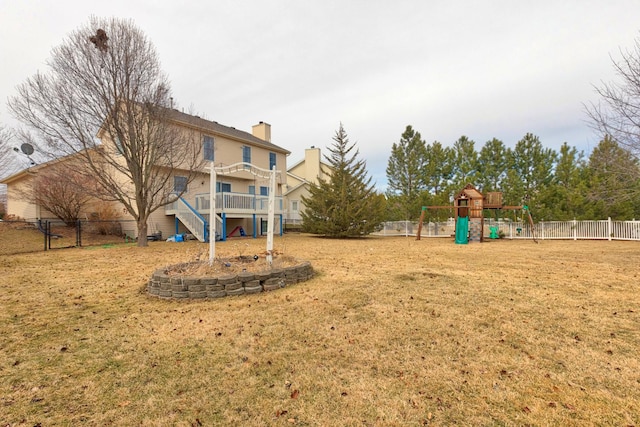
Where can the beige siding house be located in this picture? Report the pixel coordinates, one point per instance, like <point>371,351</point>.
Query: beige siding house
<point>241,197</point>
<point>300,176</point>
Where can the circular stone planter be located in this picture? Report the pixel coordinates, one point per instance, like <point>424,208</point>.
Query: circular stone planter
<point>165,285</point>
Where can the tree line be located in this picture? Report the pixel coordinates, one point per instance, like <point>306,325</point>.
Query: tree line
<point>556,185</point>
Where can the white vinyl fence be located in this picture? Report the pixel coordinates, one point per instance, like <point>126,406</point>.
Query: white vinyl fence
<point>544,230</point>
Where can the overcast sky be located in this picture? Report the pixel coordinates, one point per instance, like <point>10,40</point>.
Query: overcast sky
<point>483,69</point>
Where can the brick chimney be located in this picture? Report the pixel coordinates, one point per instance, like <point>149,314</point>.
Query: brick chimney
<point>262,130</point>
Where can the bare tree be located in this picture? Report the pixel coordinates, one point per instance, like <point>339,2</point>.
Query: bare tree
<point>617,117</point>
<point>6,153</point>
<point>57,190</point>
<point>106,100</point>
<point>6,166</point>
<point>617,113</point>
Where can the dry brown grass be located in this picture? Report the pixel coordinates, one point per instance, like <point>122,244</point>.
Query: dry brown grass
<point>391,331</point>
<point>22,237</point>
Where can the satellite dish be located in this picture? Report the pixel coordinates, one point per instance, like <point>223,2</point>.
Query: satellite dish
<point>27,149</point>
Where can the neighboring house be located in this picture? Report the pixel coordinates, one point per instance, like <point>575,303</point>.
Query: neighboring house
<point>241,198</point>
<point>20,187</point>
<point>300,176</point>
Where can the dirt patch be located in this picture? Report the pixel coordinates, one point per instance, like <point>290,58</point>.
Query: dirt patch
<point>232,265</point>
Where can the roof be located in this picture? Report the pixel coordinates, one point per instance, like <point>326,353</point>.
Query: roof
<point>470,191</point>
<point>299,162</point>
<point>216,128</point>
<point>192,121</point>
<point>26,172</point>
<point>35,168</point>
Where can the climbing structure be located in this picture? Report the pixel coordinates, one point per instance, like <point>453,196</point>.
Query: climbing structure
<point>468,206</point>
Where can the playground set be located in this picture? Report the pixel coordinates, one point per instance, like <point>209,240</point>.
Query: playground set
<point>469,205</point>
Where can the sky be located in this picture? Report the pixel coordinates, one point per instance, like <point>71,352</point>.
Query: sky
<point>483,69</point>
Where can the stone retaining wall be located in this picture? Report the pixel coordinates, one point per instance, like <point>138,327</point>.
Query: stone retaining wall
<point>163,285</point>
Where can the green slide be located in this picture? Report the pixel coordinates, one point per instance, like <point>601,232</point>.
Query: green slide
<point>462,230</point>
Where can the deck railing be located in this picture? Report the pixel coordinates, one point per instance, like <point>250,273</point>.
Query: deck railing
<point>194,222</point>
<point>238,203</point>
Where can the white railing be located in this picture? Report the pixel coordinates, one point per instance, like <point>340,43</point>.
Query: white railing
<point>194,222</point>
<point>293,217</point>
<point>544,230</point>
<point>237,203</point>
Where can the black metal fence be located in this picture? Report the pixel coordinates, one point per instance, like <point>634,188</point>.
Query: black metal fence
<point>43,235</point>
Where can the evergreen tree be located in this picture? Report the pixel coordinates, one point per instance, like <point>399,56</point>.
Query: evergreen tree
<point>346,204</point>
<point>566,196</point>
<point>530,172</point>
<point>438,168</point>
<point>614,181</point>
<point>404,175</point>
<point>465,163</point>
<point>492,166</point>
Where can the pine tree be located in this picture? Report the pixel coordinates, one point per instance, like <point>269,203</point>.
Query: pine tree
<point>492,166</point>
<point>346,204</point>
<point>530,171</point>
<point>566,196</point>
<point>438,169</point>
<point>465,163</point>
<point>404,175</point>
<point>614,181</point>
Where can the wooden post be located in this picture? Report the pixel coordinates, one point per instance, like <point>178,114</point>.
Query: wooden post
<point>424,209</point>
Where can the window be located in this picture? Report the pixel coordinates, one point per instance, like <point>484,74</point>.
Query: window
<point>264,191</point>
<point>252,189</point>
<point>207,148</point>
<point>294,205</point>
<point>180,184</point>
<point>272,160</point>
<point>223,187</point>
<point>246,154</point>
<point>118,146</point>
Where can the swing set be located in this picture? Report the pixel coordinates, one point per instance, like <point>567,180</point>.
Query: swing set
<point>469,205</point>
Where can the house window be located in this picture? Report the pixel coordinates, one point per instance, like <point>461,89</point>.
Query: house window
<point>223,187</point>
<point>180,184</point>
<point>207,148</point>
<point>246,154</point>
<point>294,205</point>
<point>252,189</point>
<point>272,160</point>
<point>264,191</point>
<point>118,146</point>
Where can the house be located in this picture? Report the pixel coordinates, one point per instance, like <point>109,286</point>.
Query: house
<point>3,201</point>
<point>300,176</point>
<point>241,197</point>
<point>21,185</point>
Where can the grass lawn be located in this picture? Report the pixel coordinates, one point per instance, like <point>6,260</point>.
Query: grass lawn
<point>390,332</point>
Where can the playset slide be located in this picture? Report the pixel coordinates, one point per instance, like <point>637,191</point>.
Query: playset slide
<point>238,228</point>
<point>462,230</point>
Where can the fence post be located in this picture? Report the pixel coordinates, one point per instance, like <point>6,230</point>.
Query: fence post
<point>609,227</point>
<point>45,233</point>
<point>78,234</point>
